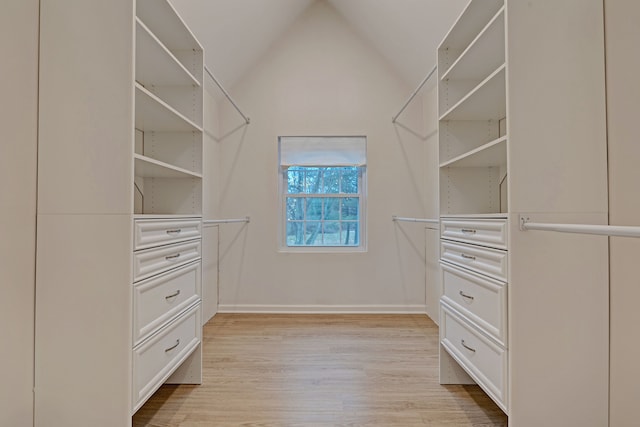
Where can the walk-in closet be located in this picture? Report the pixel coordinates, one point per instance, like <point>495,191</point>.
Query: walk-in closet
<point>319,213</point>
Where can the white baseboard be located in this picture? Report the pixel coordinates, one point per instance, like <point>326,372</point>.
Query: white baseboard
<point>322,309</point>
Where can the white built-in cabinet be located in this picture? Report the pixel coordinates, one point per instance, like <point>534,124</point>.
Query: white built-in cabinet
<point>118,287</point>
<point>522,133</point>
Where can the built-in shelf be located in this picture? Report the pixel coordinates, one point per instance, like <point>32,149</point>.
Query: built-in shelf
<point>155,64</point>
<point>485,102</point>
<point>491,154</point>
<point>485,53</point>
<point>163,21</point>
<point>467,27</point>
<point>153,114</point>
<point>147,167</point>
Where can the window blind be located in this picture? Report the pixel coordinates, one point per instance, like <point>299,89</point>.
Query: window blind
<point>323,151</point>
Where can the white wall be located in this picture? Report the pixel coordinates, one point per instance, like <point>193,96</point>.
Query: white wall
<point>18,145</point>
<point>321,79</point>
<point>623,100</point>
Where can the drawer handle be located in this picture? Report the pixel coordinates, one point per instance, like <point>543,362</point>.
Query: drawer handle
<point>468,257</point>
<point>468,230</point>
<point>467,347</point>
<point>170,257</point>
<point>175,345</point>
<point>176,293</point>
<point>466,296</point>
<point>176,231</point>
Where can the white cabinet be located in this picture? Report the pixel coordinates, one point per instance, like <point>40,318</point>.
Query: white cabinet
<point>473,317</point>
<point>167,284</point>
<point>118,287</point>
<point>522,130</point>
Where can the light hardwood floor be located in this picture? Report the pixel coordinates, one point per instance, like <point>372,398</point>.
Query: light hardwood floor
<point>319,370</point>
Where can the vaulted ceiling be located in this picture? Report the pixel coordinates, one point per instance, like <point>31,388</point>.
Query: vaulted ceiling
<point>236,33</point>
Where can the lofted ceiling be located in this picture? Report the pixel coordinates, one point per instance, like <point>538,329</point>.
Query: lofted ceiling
<point>236,33</point>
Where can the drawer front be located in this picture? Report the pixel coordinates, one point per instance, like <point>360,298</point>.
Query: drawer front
<point>482,300</point>
<point>157,358</point>
<point>156,232</point>
<point>158,299</point>
<point>483,359</point>
<point>491,262</point>
<point>150,262</point>
<point>486,232</point>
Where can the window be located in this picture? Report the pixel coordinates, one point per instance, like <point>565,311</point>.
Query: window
<point>322,191</point>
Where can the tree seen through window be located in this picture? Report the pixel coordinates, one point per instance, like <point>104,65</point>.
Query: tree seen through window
<point>323,206</point>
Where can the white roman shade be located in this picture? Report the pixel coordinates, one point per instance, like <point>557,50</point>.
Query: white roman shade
<point>323,151</point>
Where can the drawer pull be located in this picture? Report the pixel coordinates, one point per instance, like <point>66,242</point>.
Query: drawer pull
<point>467,347</point>
<point>468,256</point>
<point>176,293</point>
<point>177,344</point>
<point>170,257</point>
<point>468,230</point>
<point>466,296</point>
<point>175,231</point>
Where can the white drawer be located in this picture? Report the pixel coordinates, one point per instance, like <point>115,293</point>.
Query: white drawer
<point>157,358</point>
<point>158,299</point>
<point>492,262</point>
<point>486,232</point>
<point>150,262</point>
<point>149,233</point>
<point>484,360</point>
<point>482,300</point>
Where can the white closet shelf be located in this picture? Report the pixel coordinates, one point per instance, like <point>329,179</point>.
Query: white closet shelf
<point>483,55</point>
<point>155,64</point>
<point>147,167</point>
<point>469,24</point>
<point>487,101</point>
<point>161,18</point>
<point>491,154</point>
<point>153,114</point>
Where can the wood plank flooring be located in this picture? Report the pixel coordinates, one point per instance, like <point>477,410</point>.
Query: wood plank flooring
<point>319,370</point>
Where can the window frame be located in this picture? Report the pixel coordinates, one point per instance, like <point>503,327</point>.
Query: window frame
<point>283,194</point>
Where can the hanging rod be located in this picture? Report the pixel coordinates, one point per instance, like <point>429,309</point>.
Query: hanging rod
<point>246,119</point>
<point>601,230</point>
<point>415,92</point>
<point>210,222</point>
<point>428,221</point>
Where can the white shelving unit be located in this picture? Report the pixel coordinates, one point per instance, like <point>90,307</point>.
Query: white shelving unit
<point>521,99</point>
<point>118,302</point>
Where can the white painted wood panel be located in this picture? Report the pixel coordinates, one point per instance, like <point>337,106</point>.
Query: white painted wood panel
<point>482,300</point>
<point>557,107</point>
<point>623,96</point>
<point>18,170</point>
<point>157,358</point>
<point>484,232</point>
<point>490,262</point>
<point>83,321</point>
<point>156,232</point>
<point>157,300</point>
<point>86,108</point>
<point>149,262</point>
<point>484,360</point>
<point>558,307</point>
